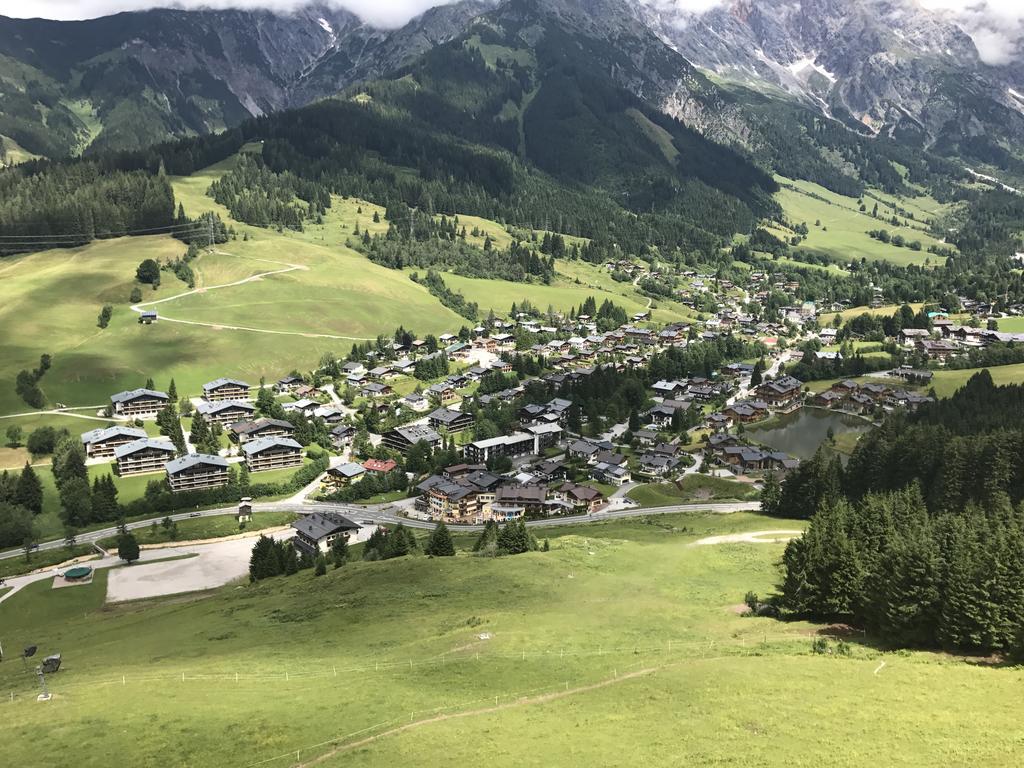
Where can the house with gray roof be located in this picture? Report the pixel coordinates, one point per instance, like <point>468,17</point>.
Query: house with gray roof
<point>265,453</point>
<point>143,455</point>
<point>196,471</point>
<point>225,389</point>
<point>138,402</point>
<point>317,532</point>
<point>225,411</point>
<point>100,443</point>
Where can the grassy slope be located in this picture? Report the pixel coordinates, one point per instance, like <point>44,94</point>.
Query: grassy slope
<point>607,600</point>
<point>695,488</point>
<point>844,227</point>
<point>206,528</point>
<point>848,314</point>
<point>56,295</point>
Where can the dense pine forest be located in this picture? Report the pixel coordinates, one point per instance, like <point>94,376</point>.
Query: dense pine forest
<point>920,538</point>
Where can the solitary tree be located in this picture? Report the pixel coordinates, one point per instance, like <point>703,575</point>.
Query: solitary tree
<point>127,548</point>
<point>320,567</point>
<point>148,272</point>
<point>339,551</point>
<point>14,434</point>
<point>440,542</point>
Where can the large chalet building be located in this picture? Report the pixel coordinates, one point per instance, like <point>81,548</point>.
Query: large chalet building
<point>782,393</point>
<point>143,456</point>
<point>266,453</point>
<point>532,440</point>
<point>225,389</point>
<point>100,443</point>
<point>244,431</point>
<point>401,439</point>
<point>196,471</point>
<point>225,411</point>
<point>138,403</point>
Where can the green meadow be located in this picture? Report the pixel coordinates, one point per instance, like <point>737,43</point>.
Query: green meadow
<point>240,320</point>
<point>623,645</point>
<point>843,228</point>
<point>692,489</point>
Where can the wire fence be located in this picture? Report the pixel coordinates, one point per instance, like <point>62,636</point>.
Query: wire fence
<point>320,669</point>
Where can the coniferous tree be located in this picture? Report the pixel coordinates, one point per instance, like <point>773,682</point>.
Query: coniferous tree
<point>29,490</point>
<point>440,542</point>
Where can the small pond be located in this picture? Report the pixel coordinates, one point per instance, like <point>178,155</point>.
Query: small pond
<point>801,433</point>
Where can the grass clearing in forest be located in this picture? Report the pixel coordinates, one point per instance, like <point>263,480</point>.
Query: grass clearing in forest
<point>842,231</point>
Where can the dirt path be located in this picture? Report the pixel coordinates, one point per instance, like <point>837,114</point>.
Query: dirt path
<point>521,702</point>
<point>751,537</point>
<point>140,308</point>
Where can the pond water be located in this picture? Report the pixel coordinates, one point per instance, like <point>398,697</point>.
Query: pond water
<point>801,433</point>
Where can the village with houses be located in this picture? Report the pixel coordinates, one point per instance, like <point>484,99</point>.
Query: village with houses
<point>484,423</point>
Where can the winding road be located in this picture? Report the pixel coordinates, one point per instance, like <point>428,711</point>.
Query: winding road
<point>385,514</point>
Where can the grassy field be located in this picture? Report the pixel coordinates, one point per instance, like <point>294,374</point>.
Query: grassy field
<point>206,528</point>
<point>1011,324</point>
<point>562,295</point>
<point>15,152</point>
<point>591,650</point>
<point>890,309</point>
<point>12,566</point>
<point>843,228</point>
<point>692,489</point>
<point>945,382</point>
<point>324,296</point>
<point>948,382</point>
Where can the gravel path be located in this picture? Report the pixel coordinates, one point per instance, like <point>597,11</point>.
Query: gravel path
<point>752,537</point>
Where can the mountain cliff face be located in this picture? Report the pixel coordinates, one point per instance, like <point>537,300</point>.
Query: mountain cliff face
<point>881,67</point>
<point>132,79</point>
<point>890,65</point>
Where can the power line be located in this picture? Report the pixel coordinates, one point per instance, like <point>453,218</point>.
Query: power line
<point>120,233</point>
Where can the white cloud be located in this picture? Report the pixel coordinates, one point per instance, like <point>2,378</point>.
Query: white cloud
<point>378,13</point>
<point>996,26</point>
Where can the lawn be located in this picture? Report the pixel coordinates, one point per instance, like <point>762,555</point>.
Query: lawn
<point>691,489</point>
<point>563,295</point>
<point>54,297</point>
<point>621,626</point>
<point>825,319</point>
<point>843,229</point>
<point>206,528</point>
<point>1011,324</point>
<point>948,382</point>
<point>12,566</point>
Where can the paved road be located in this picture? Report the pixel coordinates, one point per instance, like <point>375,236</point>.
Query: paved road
<point>387,515</point>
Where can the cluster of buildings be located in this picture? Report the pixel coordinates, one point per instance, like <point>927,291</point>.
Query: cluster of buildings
<point>264,444</point>
<point>744,459</point>
<point>848,395</point>
<point>469,493</point>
